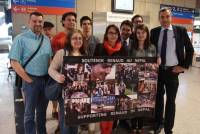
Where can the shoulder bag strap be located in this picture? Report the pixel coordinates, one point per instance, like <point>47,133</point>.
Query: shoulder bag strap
<point>34,52</point>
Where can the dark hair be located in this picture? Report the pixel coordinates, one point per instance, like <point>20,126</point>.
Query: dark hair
<point>147,40</point>
<point>36,14</point>
<point>164,9</point>
<point>128,23</point>
<point>116,28</point>
<point>69,45</point>
<point>68,14</point>
<point>48,24</point>
<point>85,18</point>
<point>136,16</point>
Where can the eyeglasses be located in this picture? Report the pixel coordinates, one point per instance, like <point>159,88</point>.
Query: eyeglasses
<point>111,33</point>
<point>138,22</point>
<point>77,38</point>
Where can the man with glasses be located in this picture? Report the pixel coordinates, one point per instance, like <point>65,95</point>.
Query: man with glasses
<point>136,19</point>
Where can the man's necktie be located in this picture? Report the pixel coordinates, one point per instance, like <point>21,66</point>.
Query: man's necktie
<point>125,42</point>
<point>125,45</point>
<point>164,48</point>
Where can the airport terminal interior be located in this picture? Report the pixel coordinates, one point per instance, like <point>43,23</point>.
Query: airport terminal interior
<point>14,17</point>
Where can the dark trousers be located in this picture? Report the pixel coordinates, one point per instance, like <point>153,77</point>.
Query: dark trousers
<point>63,128</point>
<point>137,123</point>
<point>167,82</point>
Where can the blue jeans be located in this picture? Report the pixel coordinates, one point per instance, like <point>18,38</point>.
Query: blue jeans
<point>35,100</point>
<point>63,128</point>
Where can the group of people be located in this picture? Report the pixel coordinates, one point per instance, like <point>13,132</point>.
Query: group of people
<point>168,42</point>
<point>78,106</point>
<point>103,89</point>
<point>124,104</point>
<point>127,73</point>
<point>77,86</point>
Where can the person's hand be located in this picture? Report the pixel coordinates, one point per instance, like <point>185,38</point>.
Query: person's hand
<point>158,60</point>
<point>178,69</point>
<point>61,78</point>
<point>29,81</point>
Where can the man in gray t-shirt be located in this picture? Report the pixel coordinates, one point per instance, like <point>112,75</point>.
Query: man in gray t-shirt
<point>90,41</point>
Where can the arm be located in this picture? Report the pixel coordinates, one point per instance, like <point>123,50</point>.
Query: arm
<point>55,67</point>
<point>20,71</point>
<point>15,56</point>
<point>189,50</point>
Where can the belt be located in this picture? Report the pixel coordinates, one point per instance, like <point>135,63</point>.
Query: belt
<point>42,76</point>
<point>165,68</point>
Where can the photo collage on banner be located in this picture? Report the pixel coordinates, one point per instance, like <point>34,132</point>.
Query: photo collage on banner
<point>105,89</point>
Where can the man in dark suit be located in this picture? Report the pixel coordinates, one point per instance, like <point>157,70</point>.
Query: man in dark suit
<point>125,32</point>
<point>176,52</point>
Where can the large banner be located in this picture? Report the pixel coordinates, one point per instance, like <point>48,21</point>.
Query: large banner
<point>57,7</point>
<point>98,89</point>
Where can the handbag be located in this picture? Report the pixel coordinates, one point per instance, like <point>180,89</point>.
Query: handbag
<point>53,89</point>
<point>18,79</point>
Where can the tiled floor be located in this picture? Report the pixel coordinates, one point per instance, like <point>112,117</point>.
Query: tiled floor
<point>187,112</point>
<point>7,124</point>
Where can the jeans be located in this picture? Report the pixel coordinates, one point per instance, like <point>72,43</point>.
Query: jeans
<point>63,128</point>
<point>35,100</point>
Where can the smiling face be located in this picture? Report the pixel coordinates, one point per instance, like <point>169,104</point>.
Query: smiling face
<point>69,22</point>
<point>165,18</point>
<point>36,24</point>
<point>76,41</point>
<point>141,34</point>
<point>112,35</point>
<point>126,31</point>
